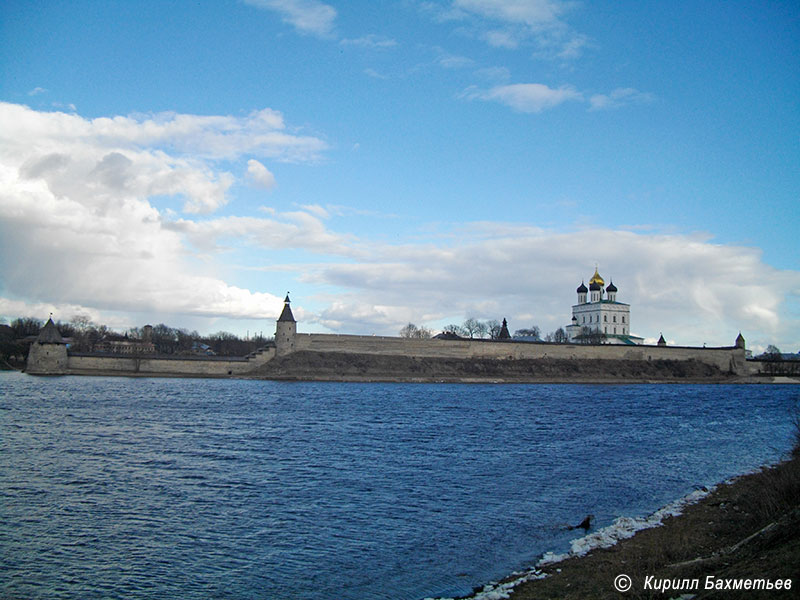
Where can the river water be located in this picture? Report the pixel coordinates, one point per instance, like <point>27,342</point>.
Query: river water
<point>234,489</point>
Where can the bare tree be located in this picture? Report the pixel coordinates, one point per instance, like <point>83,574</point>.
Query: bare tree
<point>591,336</point>
<point>424,333</point>
<point>470,327</point>
<point>475,328</point>
<point>533,332</point>
<point>454,329</point>
<point>412,331</point>
<point>494,328</point>
<point>409,331</point>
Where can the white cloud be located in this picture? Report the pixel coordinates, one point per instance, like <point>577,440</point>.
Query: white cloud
<point>691,289</point>
<point>36,91</point>
<point>501,38</point>
<point>527,97</point>
<point>108,253</point>
<point>140,156</point>
<point>370,41</point>
<point>452,61</point>
<point>291,230</point>
<point>494,74</point>
<point>259,175</point>
<point>12,309</point>
<point>536,97</point>
<point>512,24</point>
<point>375,74</point>
<point>77,226</point>
<point>619,97</point>
<point>307,16</point>
<point>78,230</point>
<point>316,209</point>
<point>530,12</point>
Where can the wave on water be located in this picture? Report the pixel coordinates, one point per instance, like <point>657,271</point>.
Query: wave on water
<point>622,528</point>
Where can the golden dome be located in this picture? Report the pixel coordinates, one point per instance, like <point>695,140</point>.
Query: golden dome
<point>597,279</point>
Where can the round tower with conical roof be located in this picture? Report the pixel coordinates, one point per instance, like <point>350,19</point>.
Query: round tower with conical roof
<point>48,354</point>
<point>285,329</point>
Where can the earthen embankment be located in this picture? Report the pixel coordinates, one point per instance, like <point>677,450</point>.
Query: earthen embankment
<point>337,366</point>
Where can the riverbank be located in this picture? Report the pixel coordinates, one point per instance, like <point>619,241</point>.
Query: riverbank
<point>335,366</point>
<point>351,367</point>
<point>745,530</point>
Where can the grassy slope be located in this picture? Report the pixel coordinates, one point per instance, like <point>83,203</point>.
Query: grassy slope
<point>341,366</point>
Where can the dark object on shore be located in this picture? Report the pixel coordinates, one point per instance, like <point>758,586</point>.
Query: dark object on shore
<point>585,524</point>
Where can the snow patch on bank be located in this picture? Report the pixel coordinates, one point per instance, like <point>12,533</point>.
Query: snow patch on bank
<point>501,591</point>
<point>622,528</point>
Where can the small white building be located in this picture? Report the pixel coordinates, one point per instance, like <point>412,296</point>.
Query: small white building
<point>600,319</point>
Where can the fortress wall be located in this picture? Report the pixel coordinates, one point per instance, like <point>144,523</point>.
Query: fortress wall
<point>161,365</point>
<point>726,358</point>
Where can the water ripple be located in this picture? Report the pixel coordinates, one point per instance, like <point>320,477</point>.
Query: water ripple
<point>143,488</point>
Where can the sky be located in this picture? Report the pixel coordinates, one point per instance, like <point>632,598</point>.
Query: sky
<point>393,162</point>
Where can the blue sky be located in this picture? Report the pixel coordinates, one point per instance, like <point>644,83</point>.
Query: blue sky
<point>402,161</point>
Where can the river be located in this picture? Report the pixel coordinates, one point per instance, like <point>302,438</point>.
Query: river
<point>201,488</point>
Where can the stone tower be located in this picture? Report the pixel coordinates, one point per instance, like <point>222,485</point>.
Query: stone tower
<point>285,330</point>
<point>739,343</point>
<point>48,354</point>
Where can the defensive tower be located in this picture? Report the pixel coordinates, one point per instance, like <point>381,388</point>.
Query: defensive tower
<point>285,329</point>
<point>48,354</point>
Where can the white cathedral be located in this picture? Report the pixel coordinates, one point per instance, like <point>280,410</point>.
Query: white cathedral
<point>603,316</point>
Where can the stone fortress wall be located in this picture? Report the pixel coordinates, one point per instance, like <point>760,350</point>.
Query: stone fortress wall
<point>86,364</point>
<point>49,355</point>
<point>54,359</point>
<point>727,359</point>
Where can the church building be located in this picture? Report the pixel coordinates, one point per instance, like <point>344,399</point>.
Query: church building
<point>601,318</point>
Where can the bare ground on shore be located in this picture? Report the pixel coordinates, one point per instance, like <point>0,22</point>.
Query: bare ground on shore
<point>335,366</point>
<point>745,529</point>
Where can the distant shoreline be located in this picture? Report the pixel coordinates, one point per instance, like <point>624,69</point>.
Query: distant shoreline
<point>731,380</point>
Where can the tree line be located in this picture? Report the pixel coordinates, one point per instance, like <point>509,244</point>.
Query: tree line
<point>85,335</point>
<point>475,329</point>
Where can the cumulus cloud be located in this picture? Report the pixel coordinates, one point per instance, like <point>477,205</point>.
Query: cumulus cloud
<point>290,230</point>
<point>306,16</point>
<point>262,133</point>
<point>619,97</point>
<point>259,175</point>
<point>79,232</point>
<point>77,224</point>
<point>693,290</point>
<point>110,254</point>
<point>527,97</point>
<point>141,156</point>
